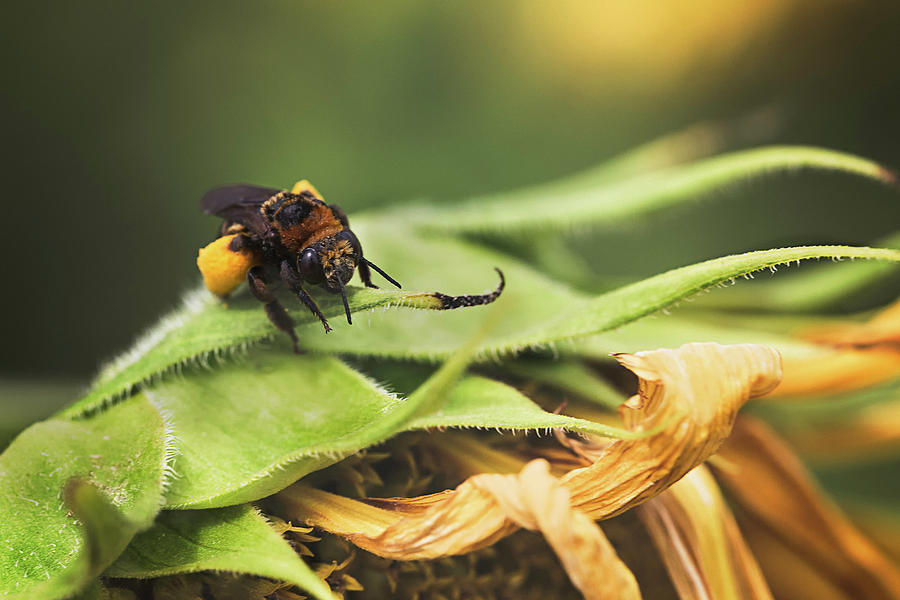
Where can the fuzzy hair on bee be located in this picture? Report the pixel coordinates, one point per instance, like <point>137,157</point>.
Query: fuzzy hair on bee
<point>295,237</point>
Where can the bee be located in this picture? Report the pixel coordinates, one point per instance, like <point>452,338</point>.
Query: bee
<point>295,237</point>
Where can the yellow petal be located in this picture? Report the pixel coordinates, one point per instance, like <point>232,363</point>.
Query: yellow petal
<point>699,541</point>
<point>788,573</point>
<point>864,433</point>
<point>774,488</point>
<point>839,371</point>
<point>694,392</point>
<point>535,500</point>
<point>883,328</point>
<point>480,511</point>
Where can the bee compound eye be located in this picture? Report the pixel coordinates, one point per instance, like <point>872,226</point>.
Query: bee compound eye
<point>310,267</point>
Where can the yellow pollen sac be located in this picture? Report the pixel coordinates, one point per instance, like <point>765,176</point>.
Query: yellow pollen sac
<point>305,186</point>
<point>224,269</point>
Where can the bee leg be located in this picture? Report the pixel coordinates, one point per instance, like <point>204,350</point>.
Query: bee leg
<point>292,279</point>
<point>274,310</point>
<point>365,274</point>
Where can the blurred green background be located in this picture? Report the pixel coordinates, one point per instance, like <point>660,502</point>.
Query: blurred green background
<point>119,115</point>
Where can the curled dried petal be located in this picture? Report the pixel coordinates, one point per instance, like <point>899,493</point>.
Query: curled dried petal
<point>777,493</point>
<point>535,500</point>
<point>483,509</point>
<point>694,394</point>
<point>699,541</point>
<point>689,397</point>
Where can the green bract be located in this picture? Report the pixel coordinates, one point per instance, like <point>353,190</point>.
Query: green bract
<point>210,411</point>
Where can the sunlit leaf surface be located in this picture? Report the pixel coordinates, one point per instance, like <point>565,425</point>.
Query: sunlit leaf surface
<point>582,200</point>
<point>112,468</point>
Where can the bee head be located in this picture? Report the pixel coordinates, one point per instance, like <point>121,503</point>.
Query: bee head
<point>331,262</point>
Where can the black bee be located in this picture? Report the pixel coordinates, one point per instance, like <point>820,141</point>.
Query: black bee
<point>297,237</point>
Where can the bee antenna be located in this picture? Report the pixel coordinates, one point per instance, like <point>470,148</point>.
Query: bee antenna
<point>382,273</point>
<point>344,298</point>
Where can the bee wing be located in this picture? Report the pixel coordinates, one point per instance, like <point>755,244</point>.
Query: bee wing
<point>239,204</point>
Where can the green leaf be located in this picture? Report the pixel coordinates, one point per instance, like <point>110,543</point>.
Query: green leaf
<point>537,313</point>
<point>570,375</point>
<point>674,330</point>
<point>452,265</point>
<point>257,426</point>
<point>112,468</point>
<point>252,429</point>
<point>632,302</point>
<point>235,539</point>
<point>297,414</point>
<point>484,403</point>
<point>812,289</point>
<point>205,329</point>
<point>587,199</point>
<point>533,311</point>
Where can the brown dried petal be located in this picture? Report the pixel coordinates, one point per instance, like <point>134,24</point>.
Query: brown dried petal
<point>690,395</point>
<point>699,541</point>
<point>694,393</point>
<point>535,500</point>
<point>774,489</point>
<point>480,511</point>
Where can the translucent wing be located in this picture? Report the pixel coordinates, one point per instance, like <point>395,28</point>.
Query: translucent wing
<point>238,204</point>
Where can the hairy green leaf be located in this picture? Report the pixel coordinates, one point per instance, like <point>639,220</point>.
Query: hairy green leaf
<point>569,375</point>
<point>205,328</point>
<point>252,429</point>
<point>672,331</point>
<point>627,304</point>
<point>533,311</point>
<point>297,414</point>
<point>575,202</point>
<point>484,403</point>
<point>537,313</point>
<point>236,539</point>
<point>815,288</point>
<point>73,493</point>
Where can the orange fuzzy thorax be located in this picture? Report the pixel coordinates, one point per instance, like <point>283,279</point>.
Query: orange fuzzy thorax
<point>224,269</point>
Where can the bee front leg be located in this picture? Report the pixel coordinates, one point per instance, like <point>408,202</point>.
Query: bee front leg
<point>292,279</point>
<point>274,310</point>
<point>365,274</point>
